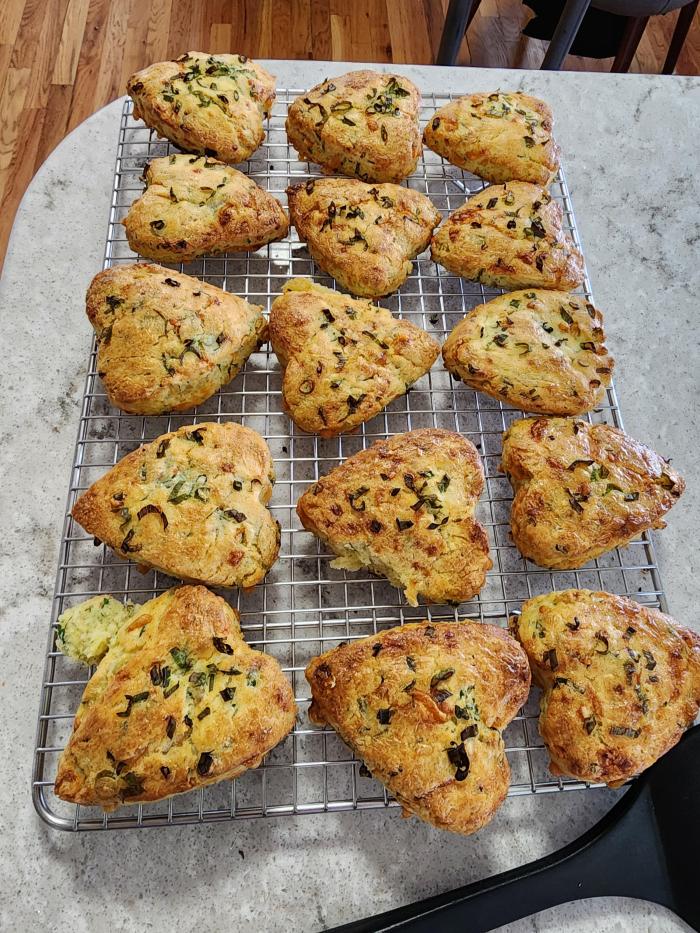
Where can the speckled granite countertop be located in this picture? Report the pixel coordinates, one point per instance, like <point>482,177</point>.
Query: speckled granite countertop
<point>630,146</point>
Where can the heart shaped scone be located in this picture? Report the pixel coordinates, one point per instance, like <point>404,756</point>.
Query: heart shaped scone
<point>405,508</point>
<point>344,359</point>
<point>541,351</point>
<point>621,681</point>
<point>177,702</point>
<point>509,236</point>
<point>209,104</point>
<point>582,489</point>
<point>423,706</point>
<point>167,341</point>
<point>363,124</point>
<point>365,236</point>
<point>500,137</point>
<point>191,503</point>
<point>194,206</point>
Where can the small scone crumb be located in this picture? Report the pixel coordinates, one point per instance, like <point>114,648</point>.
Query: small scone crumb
<point>85,632</point>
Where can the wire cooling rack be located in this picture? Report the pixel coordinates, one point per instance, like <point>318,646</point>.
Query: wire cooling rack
<point>304,606</point>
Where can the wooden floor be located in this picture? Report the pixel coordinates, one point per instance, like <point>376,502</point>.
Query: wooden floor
<point>60,60</point>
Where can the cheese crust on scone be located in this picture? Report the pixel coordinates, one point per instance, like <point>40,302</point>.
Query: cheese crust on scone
<point>423,705</point>
<point>344,359</point>
<point>500,137</point>
<point>404,508</point>
<point>213,105</point>
<point>541,351</point>
<point>621,681</point>
<point>192,503</point>
<point>582,489</point>
<point>167,341</point>
<point>365,236</point>
<point>363,124</point>
<point>194,206</point>
<point>178,701</point>
<point>509,236</point>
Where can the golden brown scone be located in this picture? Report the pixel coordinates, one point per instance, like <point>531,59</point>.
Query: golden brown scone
<point>210,104</point>
<point>365,236</point>
<point>191,503</point>
<point>194,206</point>
<point>509,236</point>
<point>405,508</point>
<point>541,351</point>
<point>500,137</point>
<point>582,489</point>
<point>424,705</point>
<point>167,341</point>
<point>344,359</point>
<point>178,701</point>
<point>363,124</point>
<point>621,682</point>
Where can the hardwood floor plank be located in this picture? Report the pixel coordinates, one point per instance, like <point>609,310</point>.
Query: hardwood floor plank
<point>45,54</point>
<point>321,30</point>
<point>11,110</point>
<point>157,35</point>
<point>134,57</point>
<point>409,32</point>
<point>83,101</point>
<point>220,37</point>
<point>55,124</point>
<point>109,84</point>
<point>66,63</point>
<point>10,20</point>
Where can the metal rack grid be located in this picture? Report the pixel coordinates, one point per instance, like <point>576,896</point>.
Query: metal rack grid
<point>304,606</point>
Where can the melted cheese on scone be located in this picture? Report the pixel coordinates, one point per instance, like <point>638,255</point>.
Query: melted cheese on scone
<point>344,359</point>
<point>621,681</point>
<point>582,489</point>
<point>509,236</point>
<point>500,137</point>
<point>178,701</point>
<point>541,351</point>
<point>363,124</point>
<point>167,341</point>
<point>365,236</point>
<point>209,104</point>
<point>191,503</point>
<point>424,705</point>
<point>193,206</point>
<point>405,509</point>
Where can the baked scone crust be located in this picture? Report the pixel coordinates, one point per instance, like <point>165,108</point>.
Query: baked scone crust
<point>538,350</point>
<point>167,341</point>
<point>193,206</point>
<point>582,489</point>
<point>344,359</point>
<point>192,503</point>
<point>405,508</point>
<point>424,705</point>
<point>502,136</point>
<point>621,681</point>
<point>509,236</point>
<point>365,236</point>
<point>363,124</point>
<point>213,105</point>
<point>179,701</point>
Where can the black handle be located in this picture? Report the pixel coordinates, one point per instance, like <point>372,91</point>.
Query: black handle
<point>621,855</point>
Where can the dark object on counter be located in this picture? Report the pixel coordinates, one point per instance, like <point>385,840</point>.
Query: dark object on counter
<point>643,848</point>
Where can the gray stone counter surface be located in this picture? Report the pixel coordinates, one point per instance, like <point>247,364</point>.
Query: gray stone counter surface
<point>630,147</point>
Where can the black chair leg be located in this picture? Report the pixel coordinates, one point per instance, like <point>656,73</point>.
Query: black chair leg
<point>631,37</point>
<point>458,16</point>
<point>680,33</point>
<point>564,34</point>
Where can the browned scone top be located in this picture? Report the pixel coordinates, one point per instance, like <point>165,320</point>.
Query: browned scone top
<point>178,701</point>
<point>621,681</point>
<point>194,206</point>
<point>404,508</point>
<point>365,236</point>
<point>502,136</point>
<point>423,705</point>
<point>344,359</point>
<point>509,236</point>
<point>192,503</point>
<point>363,124</point>
<point>209,104</point>
<point>582,489</point>
<point>167,341</point>
<point>541,351</point>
